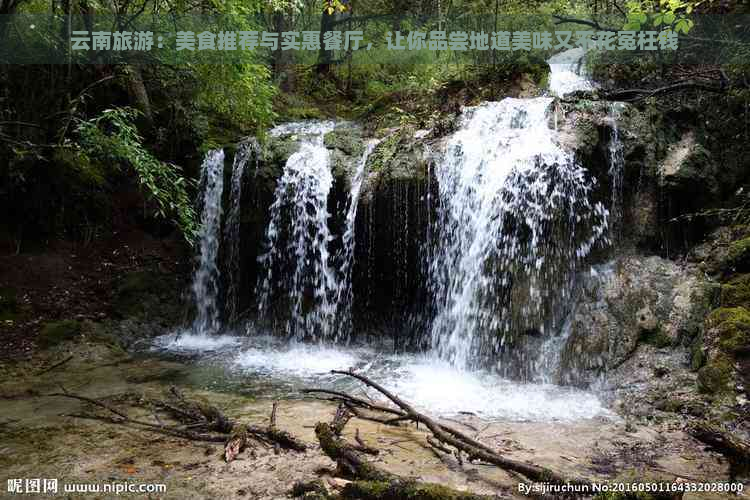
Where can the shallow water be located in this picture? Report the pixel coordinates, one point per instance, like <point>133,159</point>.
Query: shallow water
<point>269,368</point>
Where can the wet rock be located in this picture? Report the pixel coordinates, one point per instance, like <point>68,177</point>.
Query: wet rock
<point>717,377</point>
<point>392,223</point>
<point>724,252</point>
<point>633,301</point>
<point>729,329</point>
<point>688,169</point>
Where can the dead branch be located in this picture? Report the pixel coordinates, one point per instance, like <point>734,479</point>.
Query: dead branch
<point>363,447</point>
<point>344,397</point>
<point>630,95</point>
<point>473,448</point>
<point>373,483</point>
<point>236,442</point>
<point>584,22</point>
<point>199,421</point>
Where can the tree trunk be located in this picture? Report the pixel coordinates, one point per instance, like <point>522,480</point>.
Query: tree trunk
<point>138,93</point>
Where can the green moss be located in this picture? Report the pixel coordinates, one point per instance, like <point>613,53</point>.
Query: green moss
<point>670,405</point>
<point>56,332</point>
<point>716,376</point>
<point>733,326</point>
<point>697,355</point>
<point>404,490</point>
<point>738,255</point>
<point>656,338</point>
<point>278,150</point>
<point>348,140</point>
<point>398,157</point>
<point>101,333</point>
<point>736,292</point>
<point>384,152</point>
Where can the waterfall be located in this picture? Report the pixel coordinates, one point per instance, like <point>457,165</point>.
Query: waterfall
<point>616,168</point>
<point>296,262</point>
<point>566,72</point>
<point>245,151</point>
<point>514,219</point>
<point>207,277</point>
<point>344,293</point>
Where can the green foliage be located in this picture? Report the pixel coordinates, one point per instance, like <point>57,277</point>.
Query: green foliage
<point>662,14</point>
<point>113,137</point>
<point>243,92</point>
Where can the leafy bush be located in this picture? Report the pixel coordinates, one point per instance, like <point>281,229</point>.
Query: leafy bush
<point>112,136</point>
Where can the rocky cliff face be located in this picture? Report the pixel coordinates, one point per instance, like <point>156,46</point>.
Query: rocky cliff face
<point>639,317</point>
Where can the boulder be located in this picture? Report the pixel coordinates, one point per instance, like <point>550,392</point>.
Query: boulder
<point>630,302</point>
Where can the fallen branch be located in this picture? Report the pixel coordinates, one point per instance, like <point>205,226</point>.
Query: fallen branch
<point>630,95</point>
<point>199,421</point>
<point>473,448</point>
<point>371,482</point>
<point>584,22</point>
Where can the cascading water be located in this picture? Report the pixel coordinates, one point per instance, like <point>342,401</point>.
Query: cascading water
<point>245,152</point>
<point>514,221</point>
<point>206,279</point>
<point>301,269</point>
<point>616,168</point>
<point>511,222</point>
<point>567,72</point>
<point>344,293</point>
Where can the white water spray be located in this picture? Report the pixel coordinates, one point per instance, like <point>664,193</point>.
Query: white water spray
<point>567,72</point>
<point>514,220</point>
<point>344,292</point>
<point>207,276</point>
<point>245,152</point>
<point>300,271</point>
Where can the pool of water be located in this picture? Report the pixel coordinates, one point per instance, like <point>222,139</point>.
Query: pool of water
<point>267,367</point>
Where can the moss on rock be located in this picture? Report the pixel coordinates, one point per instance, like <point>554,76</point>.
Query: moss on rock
<point>656,337</point>
<point>697,355</point>
<point>404,490</point>
<point>398,157</point>
<point>738,255</point>
<point>736,292</point>
<point>732,325</point>
<point>347,139</point>
<point>56,332</point>
<point>716,376</point>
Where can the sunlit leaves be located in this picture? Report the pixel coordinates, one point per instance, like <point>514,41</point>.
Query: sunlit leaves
<point>664,14</point>
<point>330,7</point>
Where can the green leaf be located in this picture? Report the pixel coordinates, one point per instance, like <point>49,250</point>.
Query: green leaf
<point>669,18</point>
